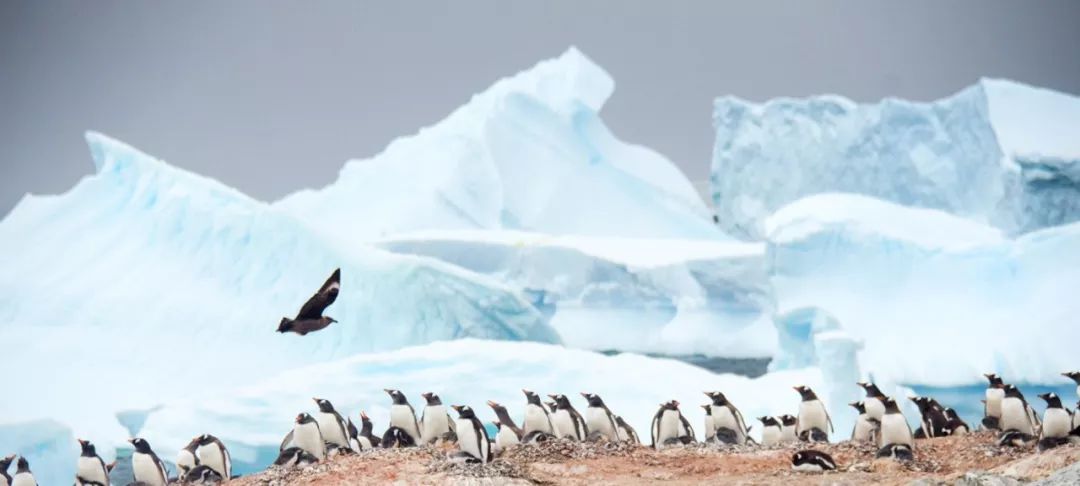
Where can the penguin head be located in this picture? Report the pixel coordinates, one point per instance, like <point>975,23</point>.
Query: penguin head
<point>871,389</point>
<point>141,445</point>
<point>1052,400</point>
<point>768,421</point>
<point>993,378</point>
<point>431,398</point>
<point>464,411</point>
<point>921,402</point>
<point>88,449</point>
<point>593,399</point>
<point>5,462</point>
<point>324,405</point>
<point>206,439</point>
<point>1073,375</point>
<point>806,393</point>
<point>23,465</point>
<point>717,398</point>
<point>858,406</point>
<point>531,397</point>
<point>364,420</point>
<point>560,400</point>
<point>551,405</point>
<point>672,405</point>
<point>798,458</point>
<point>397,396</point>
<point>951,414</point>
<point>496,406</point>
<point>890,405</point>
<point>788,419</point>
<point>1012,391</point>
<point>304,418</point>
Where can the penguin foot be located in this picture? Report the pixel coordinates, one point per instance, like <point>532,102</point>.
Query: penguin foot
<point>898,452</point>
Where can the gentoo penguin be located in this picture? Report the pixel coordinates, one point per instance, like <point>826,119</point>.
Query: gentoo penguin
<point>396,437</point>
<point>1075,377</point>
<point>992,405</point>
<point>812,461</point>
<point>670,427</point>
<point>1014,411</point>
<point>550,405</point>
<point>333,427</point>
<point>600,421</point>
<point>1076,416</point>
<point>536,416</point>
<point>213,454</point>
<point>403,416</point>
<point>472,436</point>
<point>932,417</point>
<point>509,433</point>
<point>435,422</point>
<point>367,439</point>
<point>5,463</point>
<point>710,427</point>
<point>310,318</point>
<point>354,435</point>
<point>875,408</point>
<point>955,424</point>
<point>626,431</point>
<point>788,424</point>
<point>91,468</point>
<point>1056,424</point>
<point>865,427</point>
<point>295,456</point>
<point>814,423</point>
<point>23,476</point>
<point>567,420</point>
<point>203,475</point>
<point>146,465</point>
<point>770,431</point>
<point>725,417</point>
<point>894,437</point>
<point>307,436</point>
<point>186,459</point>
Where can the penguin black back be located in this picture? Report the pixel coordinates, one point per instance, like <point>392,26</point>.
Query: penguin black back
<point>810,460</point>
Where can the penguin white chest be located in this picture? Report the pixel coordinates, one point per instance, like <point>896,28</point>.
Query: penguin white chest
<point>874,408</point>
<point>402,416</point>
<point>506,437</point>
<point>185,460</point>
<point>307,437</point>
<point>812,416</point>
<point>217,459</point>
<point>435,423</point>
<point>894,430</point>
<point>722,417</point>
<point>670,426</point>
<point>472,441</point>
<point>332,429</point>
<point>90,469</point>
<point>993,402</point>
<point>536,419</point>
<point>23,479</point>
<point>1014,416</point>
<point>599,421</point>
<point>864,429</point>
<point>365,443</point>
<point>1056,423</point>
<point>710,427</point>
<point>564,423</point>
<point>770,435</point>
<point>145,469</point>
<point>787,433</point>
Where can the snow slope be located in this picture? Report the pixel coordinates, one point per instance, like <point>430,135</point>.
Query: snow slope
<point>936,299</point>
<point>529,153</point>
<point>667,296</point>
<point>253,419</point>
<point>144,283</point>
<point>998,152</point>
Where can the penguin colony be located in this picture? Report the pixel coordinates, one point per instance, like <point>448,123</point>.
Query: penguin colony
<point>326,433</point>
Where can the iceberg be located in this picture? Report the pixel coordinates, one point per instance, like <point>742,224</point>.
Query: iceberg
<point>936,299</point>
<point>48,446</point>
<point>145,282</point>
<point>530,153</point>
<point>252,419</point>
<point>998,152</point>
<point>652,295</point>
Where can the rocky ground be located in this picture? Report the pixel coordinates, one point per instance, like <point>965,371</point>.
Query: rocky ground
<point>968,460</point>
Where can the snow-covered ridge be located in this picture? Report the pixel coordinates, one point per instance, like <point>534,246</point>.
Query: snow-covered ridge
<point>997,152</point>
<point>529,153</point>
<point>936,299</point>
<point>670,296</point>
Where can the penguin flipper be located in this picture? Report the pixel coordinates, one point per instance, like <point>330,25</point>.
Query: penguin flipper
<point>453,426</point>
<point>286,441</point>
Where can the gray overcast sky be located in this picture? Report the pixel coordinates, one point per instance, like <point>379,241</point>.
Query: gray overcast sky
<point>271,97</point>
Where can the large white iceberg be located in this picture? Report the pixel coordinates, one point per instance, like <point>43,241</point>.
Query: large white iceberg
<point>936,299</point>
<point>253,419</point>
<point>998,152</point>
<point>145,283</point>
<point>668,296</point>
<point>529,153</point>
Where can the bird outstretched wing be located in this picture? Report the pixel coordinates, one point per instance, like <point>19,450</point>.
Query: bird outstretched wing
<point>322,299</point>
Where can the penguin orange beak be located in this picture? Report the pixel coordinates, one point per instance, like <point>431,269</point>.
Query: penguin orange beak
<point>705,406</point>
<point>492,404</point>
<point>586,395</point>
<point>388,391</point>
<point>131,441</point>
<point>526,391</point>
<point>363,415</point>
<point>299,417</point>
<point>81,442</point>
